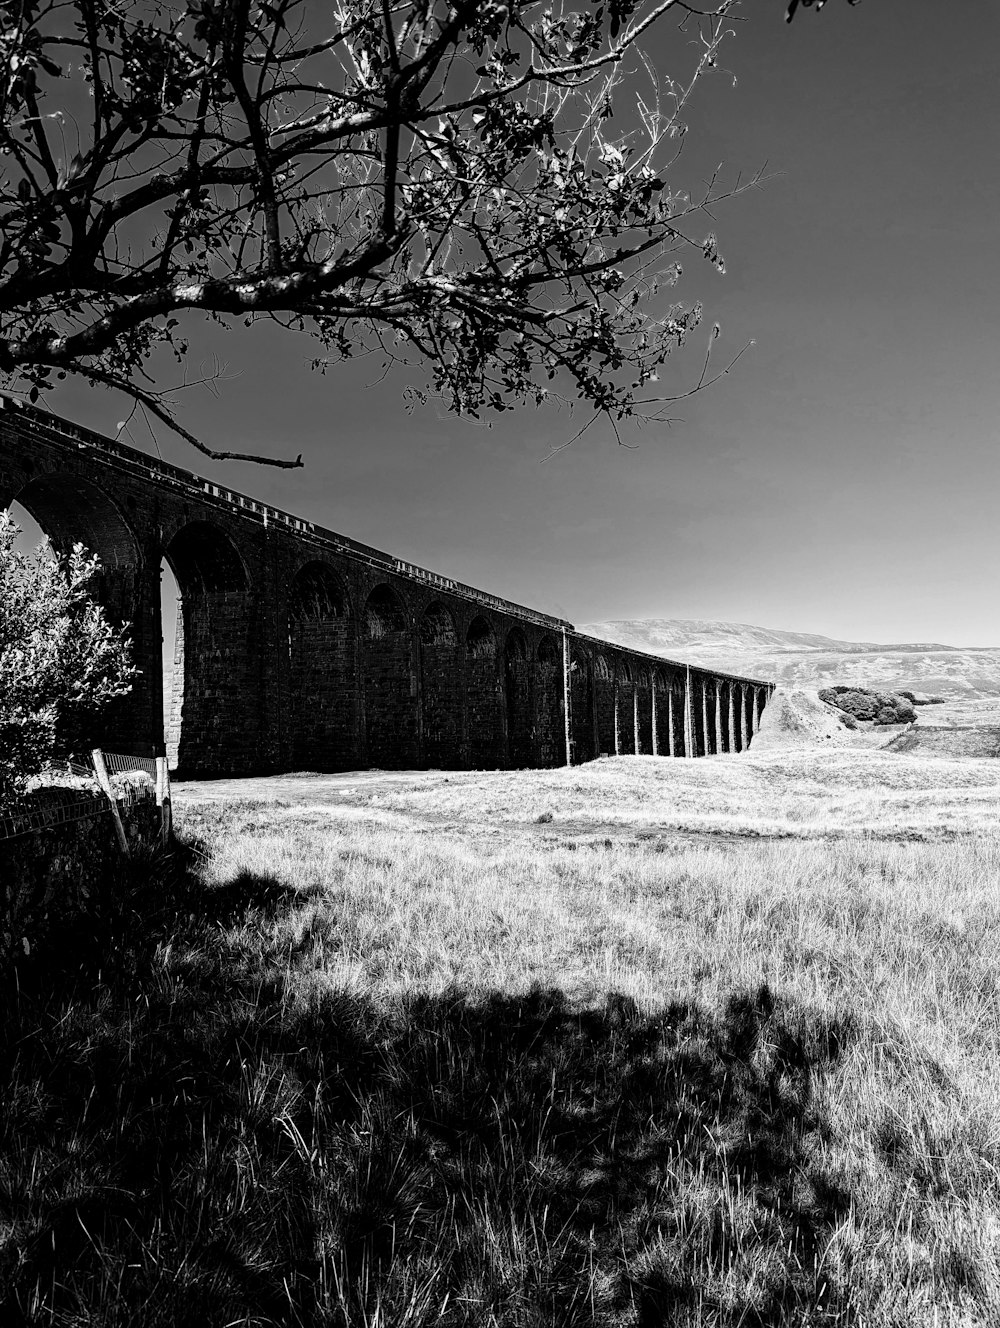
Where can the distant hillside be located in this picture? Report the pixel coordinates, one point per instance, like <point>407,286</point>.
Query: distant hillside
<point>800,659</point>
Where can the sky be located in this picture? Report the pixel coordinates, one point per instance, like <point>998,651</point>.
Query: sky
<point>842,479</point>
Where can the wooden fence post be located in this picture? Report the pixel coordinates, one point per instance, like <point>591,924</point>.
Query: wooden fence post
<point>101,771</point>
<point>163,799</point>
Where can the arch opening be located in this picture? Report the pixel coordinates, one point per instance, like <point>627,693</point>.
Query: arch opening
<point>480,639</point>
<point>547,652</point>
<point>437,627</point>
<point>581,690</point>
<point>642,704</point>
<point>317,595</point>
<point>390,683</point>
<point>604,705</point>
<point>484,689</point>
<point>321,671</point>
<point>440,691</point>
<point>32,536</point>
<point>550,736</point>
<point>205,561</point>
<point>661,712</point>
<point>515,646</point>
<point>56,512</point>
<point>518,689</point>
<point>626,720</point>
<point>71,510</point>
<point>384,614</point>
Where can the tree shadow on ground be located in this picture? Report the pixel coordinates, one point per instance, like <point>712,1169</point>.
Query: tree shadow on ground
<point>187,1138</point>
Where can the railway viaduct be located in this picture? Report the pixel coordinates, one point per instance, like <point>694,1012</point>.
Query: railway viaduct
<point>301,649</point>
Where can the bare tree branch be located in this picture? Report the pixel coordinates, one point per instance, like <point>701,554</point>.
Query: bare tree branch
<point>485,188</point>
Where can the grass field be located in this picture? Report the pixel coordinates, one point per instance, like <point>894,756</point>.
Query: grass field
<point>646,1042</point>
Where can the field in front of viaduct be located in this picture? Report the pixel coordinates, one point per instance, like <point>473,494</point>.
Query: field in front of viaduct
<point>300,649</point>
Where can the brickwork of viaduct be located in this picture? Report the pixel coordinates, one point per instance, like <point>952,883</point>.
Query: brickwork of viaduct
<point>300,649</point>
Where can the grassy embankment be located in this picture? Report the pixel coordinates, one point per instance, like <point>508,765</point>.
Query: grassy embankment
<point>410,1054</point>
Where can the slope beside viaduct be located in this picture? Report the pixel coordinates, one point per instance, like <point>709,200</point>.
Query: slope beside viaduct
<point>300,649</point>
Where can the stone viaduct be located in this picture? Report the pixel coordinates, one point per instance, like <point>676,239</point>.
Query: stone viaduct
<point>301,649</point>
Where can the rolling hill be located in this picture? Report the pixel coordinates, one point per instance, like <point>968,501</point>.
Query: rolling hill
<point>801,659</point>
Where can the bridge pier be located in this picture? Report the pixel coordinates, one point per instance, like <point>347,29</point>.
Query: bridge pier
<point>706,747</point>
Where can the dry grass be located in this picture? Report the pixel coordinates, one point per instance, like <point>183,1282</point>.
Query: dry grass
<point>805,794</point>
<point>396,1053</point>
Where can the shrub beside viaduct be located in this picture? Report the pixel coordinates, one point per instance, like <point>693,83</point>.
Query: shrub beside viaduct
<point>300,649</point>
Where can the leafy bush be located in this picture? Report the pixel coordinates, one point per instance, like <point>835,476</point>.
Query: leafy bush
<point>61,661</point>
<point>879,707</point>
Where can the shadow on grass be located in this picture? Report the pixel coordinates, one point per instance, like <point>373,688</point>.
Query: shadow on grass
<point>186,1138</point>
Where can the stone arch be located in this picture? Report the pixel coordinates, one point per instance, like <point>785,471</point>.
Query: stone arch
<point>322,670</point>
<point>384,613</point>
<point>730,726</point>
<point>642,701</point>
<point>718,716</point>
<point>699,713</point>
<point>518,690</point>
<point>661,711</point>
<point>317,594</point>
<point>480,639</point>
<point>748,710</point>
<point>604,703</point>
<point>484,696</point>
<point>625,721</point>
<point>390,682</point>
<point>762,694</point>
<point>677,706</point>
<point>215,704</point>
<point>437,626</point>
<point>205,560</point>
<point>547,705</point>
<point>440,688</point>
<point>69,510</point>
<point>581,694</point>
<point>515,646</point>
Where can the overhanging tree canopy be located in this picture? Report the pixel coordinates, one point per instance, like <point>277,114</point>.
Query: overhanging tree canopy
<point>483,185</point>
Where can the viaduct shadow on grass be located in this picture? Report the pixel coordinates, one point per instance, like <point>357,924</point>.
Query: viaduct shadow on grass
<point>181,1142</point>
